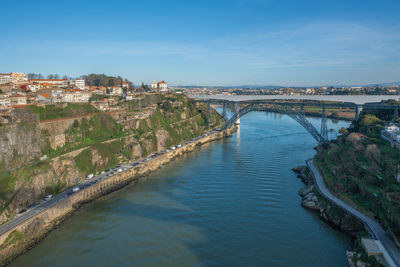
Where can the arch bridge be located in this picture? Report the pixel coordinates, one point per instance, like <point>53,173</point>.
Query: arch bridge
<point>286,107</point>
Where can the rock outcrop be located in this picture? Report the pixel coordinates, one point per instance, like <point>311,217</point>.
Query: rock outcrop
<point>328,212</point>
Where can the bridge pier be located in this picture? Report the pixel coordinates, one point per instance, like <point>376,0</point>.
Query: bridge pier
<point>396,114</point>
<point>224,115</point>
<point>302,109</point>
<point>209,114</point>
<point>359,108</point>
<point>324,125</point>
<point>237,108</point>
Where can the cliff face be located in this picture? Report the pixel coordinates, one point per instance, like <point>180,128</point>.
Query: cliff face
<point>20,144</point>
<point>92,144</point>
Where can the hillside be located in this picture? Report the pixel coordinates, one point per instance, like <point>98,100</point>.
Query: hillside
<point>94,142</point>
<point>363,170</point>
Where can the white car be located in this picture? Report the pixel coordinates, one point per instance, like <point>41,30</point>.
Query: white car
<point>90,176</point>
<point>48,197</point>
<point>75,189</point>
<point>119,170</point>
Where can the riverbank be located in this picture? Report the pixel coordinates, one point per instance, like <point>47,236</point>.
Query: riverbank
<point>346,219</point>
<point>24,236</point>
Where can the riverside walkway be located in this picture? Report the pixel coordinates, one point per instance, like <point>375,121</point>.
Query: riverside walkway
<point>389,250</point>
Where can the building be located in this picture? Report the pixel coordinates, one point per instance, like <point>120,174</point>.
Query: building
<point>115,90</point>
<point>162,86</point>
<point>45,98</point>
<point>19,77</point>
<point>18,99</point>
<point>50,82</point>
<point>5,78</point>
<point>75,96</point>
<point>80,83</point>
<point>57,95</point>
<point>4,101</point>
<point>154,85</point>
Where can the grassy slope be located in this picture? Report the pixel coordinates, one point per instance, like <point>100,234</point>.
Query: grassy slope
<point>363,172</point>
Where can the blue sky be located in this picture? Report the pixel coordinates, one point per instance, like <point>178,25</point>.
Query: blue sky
<point>208,42</point>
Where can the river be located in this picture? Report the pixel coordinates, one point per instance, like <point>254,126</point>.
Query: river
<point>234,202</point>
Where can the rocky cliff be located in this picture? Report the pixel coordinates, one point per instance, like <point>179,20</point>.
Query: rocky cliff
<point>92,144</point>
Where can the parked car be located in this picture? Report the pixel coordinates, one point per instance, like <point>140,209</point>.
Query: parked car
<point>75,189</point>
<point>119,170</point>
<point>48,197</point>
<point>31,206</point>
<point>90,176</point>
<point>22,211</point>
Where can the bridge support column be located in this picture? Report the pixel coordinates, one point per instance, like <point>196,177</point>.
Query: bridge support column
<point>324,125</point>
<point>224,115</point>
<point>358,111</point>
<point>237,108</point>
<point>302,109</point>
<point>209,114</point>
<point>396,114</point>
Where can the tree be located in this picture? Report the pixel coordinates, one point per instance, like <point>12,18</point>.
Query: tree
<point>343,131</point>
<point>75,124</point>
<point>369,119</point>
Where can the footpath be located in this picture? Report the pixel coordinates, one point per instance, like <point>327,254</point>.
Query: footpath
<point>390,252</point>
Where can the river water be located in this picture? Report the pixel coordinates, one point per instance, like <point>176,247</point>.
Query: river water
<point>234,202</point>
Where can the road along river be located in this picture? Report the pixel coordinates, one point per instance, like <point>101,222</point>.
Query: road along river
<point>233,202</point>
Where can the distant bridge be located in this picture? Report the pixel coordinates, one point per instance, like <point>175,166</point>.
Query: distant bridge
<point>284,104</point>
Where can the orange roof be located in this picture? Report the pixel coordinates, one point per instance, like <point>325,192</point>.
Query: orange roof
<point>21,106</point>
<point>162,82</point>
<point>18,95</point>
<point>45,95</point>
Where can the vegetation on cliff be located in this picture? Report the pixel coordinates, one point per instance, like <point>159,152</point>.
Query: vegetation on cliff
<point>361,168</point>
<point>92,143</point>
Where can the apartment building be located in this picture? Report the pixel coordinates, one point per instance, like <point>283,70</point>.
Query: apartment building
<point>5,78</point>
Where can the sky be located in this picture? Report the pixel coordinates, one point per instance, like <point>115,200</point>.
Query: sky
<point>207,42</point>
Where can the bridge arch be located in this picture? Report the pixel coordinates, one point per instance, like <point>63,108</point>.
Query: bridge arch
<point>297,116</point>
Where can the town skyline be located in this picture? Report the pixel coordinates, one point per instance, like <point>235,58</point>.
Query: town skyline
<point>210,43</point>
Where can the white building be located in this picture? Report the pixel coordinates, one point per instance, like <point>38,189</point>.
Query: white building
<point>5,101</point>
<point>80,84</point>
<point>19,77</point>
<point>154,85</point>
<point>75,96</point>
<point>55,82</point>
<point>5,78</point>
<point>18,99</point>
<point>162,86</point>
<point>116,90</point>
<point>57,95</point>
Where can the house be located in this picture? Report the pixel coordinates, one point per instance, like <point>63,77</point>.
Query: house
<point>18,99</point>
<point>162,86</point>
<point>4,101</point>
<point>19,77</point>
<point>115,90</point>
<point>47,99</point>
<point>392,128</point>
<point>75,96</point>
<point>5,78</point>
<point>50,82</point>
<point>57,95</point>
<point>80,83</point>
<point>154,85</point>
